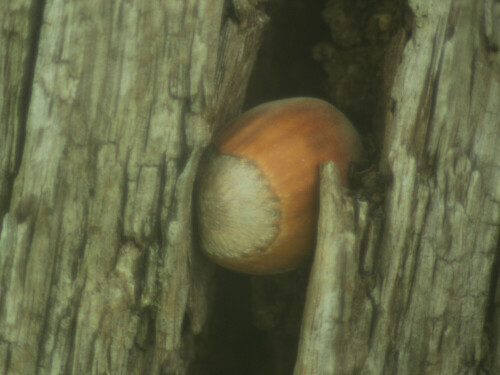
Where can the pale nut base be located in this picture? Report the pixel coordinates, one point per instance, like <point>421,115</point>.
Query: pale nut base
<point>238,213</point>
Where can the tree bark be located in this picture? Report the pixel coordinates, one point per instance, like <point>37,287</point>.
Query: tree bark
<point>97,269</point>
<point>106,108</point>
<point>421,295</point>
<point>337,309</point>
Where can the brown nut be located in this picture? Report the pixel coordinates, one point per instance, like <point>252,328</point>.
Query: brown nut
<point>257,198</point>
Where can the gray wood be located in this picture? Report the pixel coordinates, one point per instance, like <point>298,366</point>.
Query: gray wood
<point>97,266</point>
<point>17,54</point>
<point>332,315</point>
<point>98,157</point>
<point>443,208</point>
<point>427,300</point>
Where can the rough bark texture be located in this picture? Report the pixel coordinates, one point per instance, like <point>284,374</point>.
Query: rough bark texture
<point>333,317</point>
<point>19,38</point>
<point>105,110</point>
<point>430,291</point>
<point>440,242</point>
<point>96,263</point>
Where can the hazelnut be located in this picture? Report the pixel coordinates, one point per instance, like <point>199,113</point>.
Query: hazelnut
<point>257,196</point>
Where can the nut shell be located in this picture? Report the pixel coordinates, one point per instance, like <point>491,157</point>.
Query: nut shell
<point>257,198</point>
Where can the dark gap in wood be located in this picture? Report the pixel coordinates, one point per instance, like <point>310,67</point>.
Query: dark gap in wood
<point>255,328</point>
<point>236,346</point>
<point>285,66</point>
<point>256,324</point>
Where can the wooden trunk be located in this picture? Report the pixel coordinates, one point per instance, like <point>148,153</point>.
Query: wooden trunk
<point>106,109</point>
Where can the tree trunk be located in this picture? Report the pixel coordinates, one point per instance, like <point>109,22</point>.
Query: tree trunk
<point>97,269</point>
<point>420,293</point>
<point>106,108</point>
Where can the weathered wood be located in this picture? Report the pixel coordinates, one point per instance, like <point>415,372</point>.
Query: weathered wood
<point>443,209</point>
<point>98,158</point>
<point>96,255</point>
<point>18,42</point>
<point>333,318</point>
<point>432,288</point>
